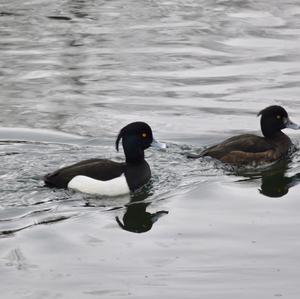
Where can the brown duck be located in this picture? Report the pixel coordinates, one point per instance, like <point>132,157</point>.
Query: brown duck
<point>252,149</point>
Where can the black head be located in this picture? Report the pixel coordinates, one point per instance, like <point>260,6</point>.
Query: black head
<point>136,137</point>
<point>274,119</point>
<point>139,132</point>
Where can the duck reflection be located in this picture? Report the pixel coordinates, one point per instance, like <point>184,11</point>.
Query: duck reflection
<point>277,184</point>
<point>274,181</point>
<point>136,219</point>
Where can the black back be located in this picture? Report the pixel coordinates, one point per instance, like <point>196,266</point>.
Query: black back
<point>99,169</point>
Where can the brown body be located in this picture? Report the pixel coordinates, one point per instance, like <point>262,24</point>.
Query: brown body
<point>248,148</point>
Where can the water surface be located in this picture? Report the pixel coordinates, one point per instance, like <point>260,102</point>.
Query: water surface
<point>72,74</point>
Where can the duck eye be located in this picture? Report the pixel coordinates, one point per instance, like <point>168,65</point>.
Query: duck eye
<point>144,135</point>
<point>278,116</point>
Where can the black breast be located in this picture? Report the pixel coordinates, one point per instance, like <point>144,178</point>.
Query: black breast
<point>137,175</point>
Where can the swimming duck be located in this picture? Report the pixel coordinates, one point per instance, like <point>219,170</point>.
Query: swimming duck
<point>106,177</point>
<point>252,149</point>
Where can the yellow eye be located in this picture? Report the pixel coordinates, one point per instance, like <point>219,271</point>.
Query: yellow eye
<point>144,135</point>
<point>278,117</point>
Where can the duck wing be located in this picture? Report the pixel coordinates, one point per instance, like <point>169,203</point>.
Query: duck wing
<point>99,169</point>
<point>243,149</point>
<point>245,143</point>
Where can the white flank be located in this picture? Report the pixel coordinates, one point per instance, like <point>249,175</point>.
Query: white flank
<point>114,187</point>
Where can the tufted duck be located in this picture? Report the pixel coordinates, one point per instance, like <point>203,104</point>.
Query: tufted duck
<point>252,149</point>
<point>106,177</point>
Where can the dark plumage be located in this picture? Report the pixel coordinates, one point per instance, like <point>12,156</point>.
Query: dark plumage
<point>137,219</point>
<point>249,148</point>
<point>99,169</point>
<point>136,137</point>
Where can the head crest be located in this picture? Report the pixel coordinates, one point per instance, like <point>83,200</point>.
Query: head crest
<point>118,140</point>
<point>272,110</point>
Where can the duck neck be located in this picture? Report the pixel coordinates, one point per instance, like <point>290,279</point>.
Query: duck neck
<point>269,131</point>
<point>133,153</point>
<point>135,158</point>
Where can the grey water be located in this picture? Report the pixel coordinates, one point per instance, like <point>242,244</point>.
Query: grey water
<point>72,73</point>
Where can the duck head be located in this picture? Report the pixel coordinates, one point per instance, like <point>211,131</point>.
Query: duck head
<point>274,119</point>
<point>136,137</point>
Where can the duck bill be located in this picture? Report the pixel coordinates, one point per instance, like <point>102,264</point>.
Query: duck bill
<point>291,125</point>
<point>157,144</point>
